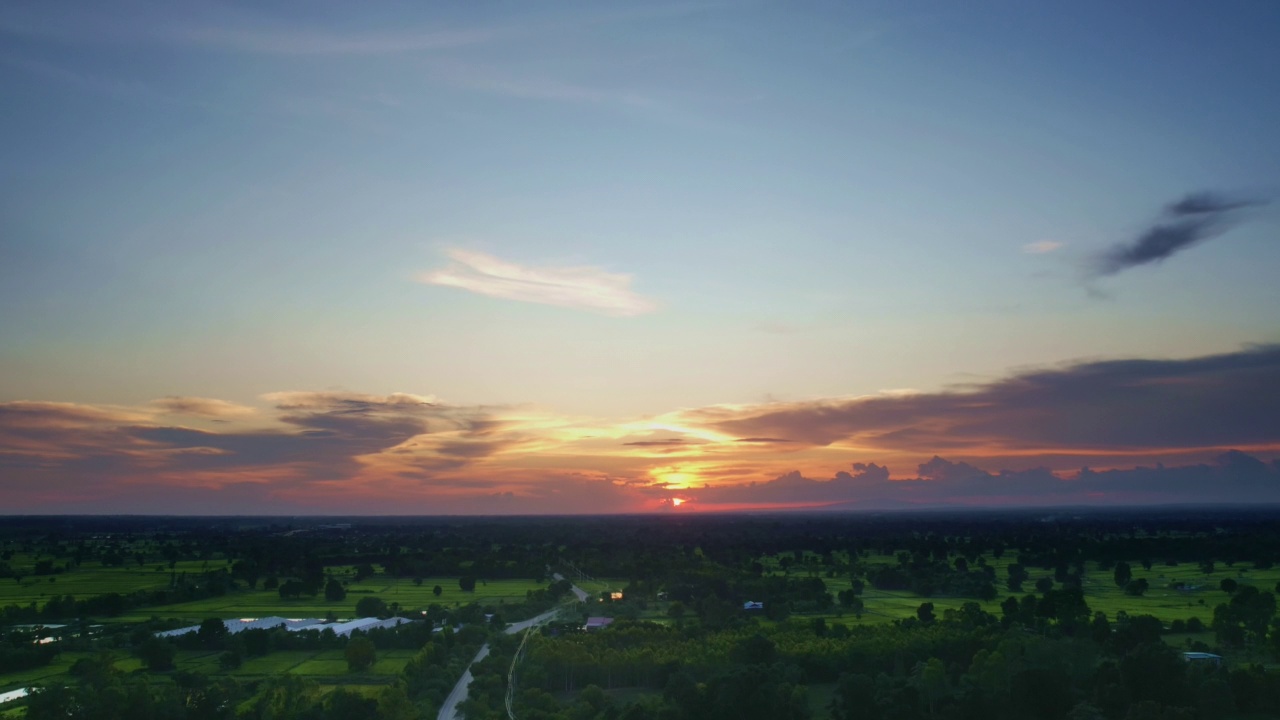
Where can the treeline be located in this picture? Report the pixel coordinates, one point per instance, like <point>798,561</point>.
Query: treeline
<point>966,665</point>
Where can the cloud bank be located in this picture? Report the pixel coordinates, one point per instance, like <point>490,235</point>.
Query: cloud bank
<point>581,288</point>
<point>1213,421</point>
<point>1216,401</point>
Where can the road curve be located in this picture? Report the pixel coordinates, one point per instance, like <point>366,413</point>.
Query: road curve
<point>449,711</point>
<point>579,592</point>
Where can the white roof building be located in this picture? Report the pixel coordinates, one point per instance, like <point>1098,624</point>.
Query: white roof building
<point>341,629</point>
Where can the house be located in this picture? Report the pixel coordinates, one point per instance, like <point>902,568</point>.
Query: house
<point>752,605</point>
<point>1202,657</point>
<point>597,623</point>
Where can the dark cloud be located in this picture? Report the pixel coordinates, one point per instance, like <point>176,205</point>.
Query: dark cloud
<point>657,443</point>
<point>324,436</point>
<point>201,407</point>
<point>1189,221</point>
<point>1217,401</point>
<point>763,440</point>
<point>1231,478</point>
<point>1201,203</point>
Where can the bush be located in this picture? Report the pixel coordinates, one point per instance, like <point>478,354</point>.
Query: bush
<point>371,607</point>
<point>360,654</point>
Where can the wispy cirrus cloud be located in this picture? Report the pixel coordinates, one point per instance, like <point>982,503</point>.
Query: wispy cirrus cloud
<point>201,407</point>
<point>1187,222</point>
<point>578,287</point>
<point>1041,247</point>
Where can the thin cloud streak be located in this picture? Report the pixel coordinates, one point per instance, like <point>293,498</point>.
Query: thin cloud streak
<point>1041,247</point>
<point>202,407</point>
<point>1187,222</point>
<point>578,287</point>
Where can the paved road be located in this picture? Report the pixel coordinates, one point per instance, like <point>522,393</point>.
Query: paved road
<point>582,594</point>
<point>449,711</point>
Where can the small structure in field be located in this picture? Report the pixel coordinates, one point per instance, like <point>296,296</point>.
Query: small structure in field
<point>752,605</point>
<point>1202,657</point>
<point>597,623</point>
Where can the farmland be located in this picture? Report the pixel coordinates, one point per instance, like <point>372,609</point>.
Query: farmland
<point>885,600</point>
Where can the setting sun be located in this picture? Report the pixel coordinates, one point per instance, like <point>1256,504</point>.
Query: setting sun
<point>677,502</point>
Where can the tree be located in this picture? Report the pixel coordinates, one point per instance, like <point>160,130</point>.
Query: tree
<point>360,654</point>
<point>676,611</point>
<point>1137,587</point>
<point>1123,574</point>
<point>467,583</point>
<point>925,612</point>
<point>1044,584</point>
<point>333,591</point>
<point>156,654</point>
<point>230,660</point>
<point>290,589</point>
<point>1017,576</point>
<point>394,704</point>
<point>342,704</point>
<point>212,633</point>
<point>931,680</point>
<point>437,590</point>
<point>855,699</point>
<point>1228,585</point>
<point>371,606</point>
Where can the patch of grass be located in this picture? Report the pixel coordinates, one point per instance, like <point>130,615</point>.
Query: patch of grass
<point>25,678</point>
<point>273,664</point>
<point>320,667</point>
<point>411,597</point>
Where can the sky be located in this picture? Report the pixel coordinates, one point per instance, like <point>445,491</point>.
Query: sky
<point>489,258</point>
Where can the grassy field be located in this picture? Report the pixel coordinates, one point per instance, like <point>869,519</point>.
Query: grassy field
<point>1101,592</point>
<point>326,665</point>
<point>411,597</point>
<point>93,579</point>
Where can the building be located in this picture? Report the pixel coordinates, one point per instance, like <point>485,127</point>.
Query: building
<point>1202,657</point>
<point>341,629</point>
<point>597,623</point>
<point>752,605</point>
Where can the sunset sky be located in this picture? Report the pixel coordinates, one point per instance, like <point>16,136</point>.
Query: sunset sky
<point>454,258</point>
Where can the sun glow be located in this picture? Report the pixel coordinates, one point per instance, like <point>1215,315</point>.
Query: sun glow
<point>675,479</point>
<point>677,502</point>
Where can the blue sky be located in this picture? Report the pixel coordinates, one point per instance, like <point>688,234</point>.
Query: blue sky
<point>787,203</point>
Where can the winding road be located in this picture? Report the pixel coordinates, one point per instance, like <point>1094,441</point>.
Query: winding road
<point>449,711</point>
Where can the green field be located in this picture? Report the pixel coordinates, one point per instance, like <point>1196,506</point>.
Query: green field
<point>93,579</point>
<point>411,598</point>
<point>1100,591</point>
<point>329,665</point>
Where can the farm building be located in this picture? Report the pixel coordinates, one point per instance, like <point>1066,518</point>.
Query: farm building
<point>752,605</point>
<point>1202,657</point>
<point>341,629</point>
<point>597,623</point>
